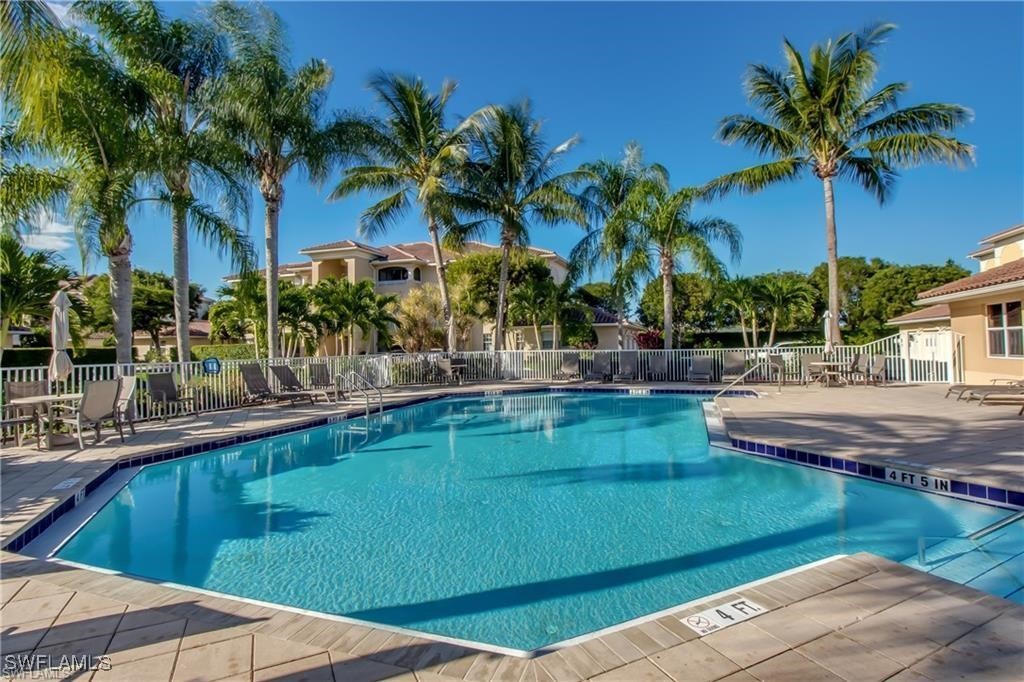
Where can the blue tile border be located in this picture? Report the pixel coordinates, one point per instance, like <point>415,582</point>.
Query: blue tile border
<point>961,490</point>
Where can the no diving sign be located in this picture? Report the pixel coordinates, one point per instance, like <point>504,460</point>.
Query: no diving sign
<point>722,616</point>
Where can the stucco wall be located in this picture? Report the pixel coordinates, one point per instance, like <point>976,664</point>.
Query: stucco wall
<point>968,318</point>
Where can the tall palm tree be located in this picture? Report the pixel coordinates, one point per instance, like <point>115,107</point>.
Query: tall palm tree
<point>822,115</point>
<point>275,114</point>
<point>30,279</point>
<point>82,113</point>
<point>664,216</point>
<point>414,155</point>
<point>511,183</point>
<point>785,298</point>
<point>177,62</point>
<point>612,239</point>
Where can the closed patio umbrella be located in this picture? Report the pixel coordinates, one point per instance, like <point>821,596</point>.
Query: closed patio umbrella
<point>827,317</point>
<point>60,333</point>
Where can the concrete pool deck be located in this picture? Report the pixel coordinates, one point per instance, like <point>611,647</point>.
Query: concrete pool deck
<point>856,618</point>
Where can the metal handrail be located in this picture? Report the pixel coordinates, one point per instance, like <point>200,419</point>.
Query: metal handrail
<point>993,527</point>
<point>750,371</point>
<point>973,538</point>
<point>353,377</point>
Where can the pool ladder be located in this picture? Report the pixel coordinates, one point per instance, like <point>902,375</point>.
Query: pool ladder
<point>922,542</point>
<point>357,382</point>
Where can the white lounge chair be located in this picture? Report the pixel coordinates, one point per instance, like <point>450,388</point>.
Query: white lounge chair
<point>701,369</point>
<point>98,404</point>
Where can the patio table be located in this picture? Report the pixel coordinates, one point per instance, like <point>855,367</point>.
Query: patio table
<point>50,401</point>
<point>830,372</point>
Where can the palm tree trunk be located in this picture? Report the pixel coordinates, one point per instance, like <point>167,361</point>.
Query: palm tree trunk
<point>743,330</point>
<point>537,335</point>
<point>5,326</point>
<point>499,324</point>
<point>771,334</point>
<point>442,284</point>
<point>119,262</point>
<point>753,328</point>
<point>833,259</point>
<point>179,247</point>
<point>556,340</point>
<point>272,200</point>
<point>666,299</point>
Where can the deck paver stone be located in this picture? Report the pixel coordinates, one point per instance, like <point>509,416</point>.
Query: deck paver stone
<point>745,644</point>
<point>849,659</point>
<point>693,660</point>
<point>791,667</point>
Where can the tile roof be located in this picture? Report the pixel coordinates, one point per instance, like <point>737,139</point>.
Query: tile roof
<point>342,244</point>
<point>281,269</point>
<point>199,328</point>
<point>1002,234</point>
<point>939,311</point>
<point>1001,274</point>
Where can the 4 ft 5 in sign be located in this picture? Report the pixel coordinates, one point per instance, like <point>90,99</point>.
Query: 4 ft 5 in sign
<point>722,616</point>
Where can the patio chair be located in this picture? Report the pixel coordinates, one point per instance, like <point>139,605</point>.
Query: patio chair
<point>859,368</point>
<point>289,382</point>
<point>808,373</point>
<point>125,413</point>
<point>164,394</point>
<point>570,368</point>
<point>734,367</point>
<point>601,369</point>
<point>445,373</point>
<point>876,371</point>
<point>850,372</point>
<point>627,366</point>
<point>776,369</point>
<point>701,369</point>
<point>959,390</point>
<point>98,404</point>
<point>257,390</point>
<point>657,368</point>
<point>18,416</point>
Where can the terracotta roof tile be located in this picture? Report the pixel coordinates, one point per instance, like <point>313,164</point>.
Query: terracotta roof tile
<point>1001,274</point>
<point>939,311</point>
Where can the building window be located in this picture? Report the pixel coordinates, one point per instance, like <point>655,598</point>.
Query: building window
<point>1005,332</point>
<point>547,339</point>
<point>518,340</point>
<point>416,274</point>
<point>392,274</point>
<point>488,341</point>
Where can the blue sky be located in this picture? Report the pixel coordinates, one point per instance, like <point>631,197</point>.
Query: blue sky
<point>664,74</point>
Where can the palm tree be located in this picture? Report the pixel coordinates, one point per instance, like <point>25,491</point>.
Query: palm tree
<point>740,294</point>
<point>531,301</point>
<point>83,114</point>
<point>275,114</point>
<point>785,298</point>
<point>241,310</point>
<point>669,231</point>
<point>330,296</point>
<point>821,115</point>
<point>414,155</point>
<point>612,239</point>
<point>30,281</point>
<point>301,323</point>
<point>511,183</point>
<point>368,312</point>
<point>177,62</point>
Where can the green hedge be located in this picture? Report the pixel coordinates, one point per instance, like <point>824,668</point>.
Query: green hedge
<point>225,351</point>
<point>40,357</point>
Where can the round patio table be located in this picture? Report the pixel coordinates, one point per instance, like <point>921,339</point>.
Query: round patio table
<point>830,372</point>
<point>49,400</point>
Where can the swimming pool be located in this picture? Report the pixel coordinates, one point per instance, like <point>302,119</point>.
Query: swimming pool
<point>518,520</point>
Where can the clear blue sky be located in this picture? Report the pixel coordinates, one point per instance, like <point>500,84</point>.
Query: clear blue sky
<point>664,74</point>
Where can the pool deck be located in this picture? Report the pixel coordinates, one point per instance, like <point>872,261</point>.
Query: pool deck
<point>856,618</point>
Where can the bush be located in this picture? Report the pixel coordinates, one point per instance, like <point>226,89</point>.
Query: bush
<point>40,357</point>
<point>225,351</point>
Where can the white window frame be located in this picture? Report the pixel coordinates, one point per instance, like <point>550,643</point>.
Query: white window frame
<point>547,339</point>
<point>488,341</point>
<point>1004,329</point>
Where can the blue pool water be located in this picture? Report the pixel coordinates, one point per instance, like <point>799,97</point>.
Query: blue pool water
<point>518,521</point>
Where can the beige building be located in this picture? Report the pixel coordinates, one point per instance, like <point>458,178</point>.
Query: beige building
<point>396,269</point>
<point>984,311</point>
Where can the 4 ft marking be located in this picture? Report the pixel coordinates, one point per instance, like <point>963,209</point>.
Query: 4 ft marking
<point>722,616</point>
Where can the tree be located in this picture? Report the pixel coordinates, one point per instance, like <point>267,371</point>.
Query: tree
<point>177,62</point>
<point>613,239</point>
<point>301,323</point>
<point>30,280</point>
<point>892,290</point>
<point>531,302</point>
<point>414,156</point>
<point>330,296</point>
<point>669,233</point>
<point>693,305</point>
<point>275,114</point>
<point>77,109</point>
<point>739,294</point>
<point>854,274</point>
<point>785,299</point>
<point>601,294</point>
<point>479,274</point>
<point>511,183</point>
<point>241,310</point>
<point>421,321</point>
<point>820,114</point>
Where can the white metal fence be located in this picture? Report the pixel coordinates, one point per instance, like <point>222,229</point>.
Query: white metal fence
<point>227,390</point>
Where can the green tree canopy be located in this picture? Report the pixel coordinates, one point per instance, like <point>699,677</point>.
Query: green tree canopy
<point>892,290</point>
<point>694,305</point>
<point>479,273</point>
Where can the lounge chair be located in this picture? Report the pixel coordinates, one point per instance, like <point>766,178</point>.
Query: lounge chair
<point>289,382</point>
<point>876,371</point>
<point>18,416</point>
<point>601,369</point>
<point>996,392</point>
<point>627,366</point>
<point>959,390</point>
<point>320,378</point>
<point>735,366</point>
<point>809,373</point>
<point>570,368</point>
<point>657,368</point>
<point>257,390</point>
<point>701,369</point>
<point>125,412</point>
<point>98,404</point>
<point>164,393</point>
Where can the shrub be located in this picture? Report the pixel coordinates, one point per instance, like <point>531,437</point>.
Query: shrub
<point>40,357</point>
<point>225,351</point>
<point>650,339</point>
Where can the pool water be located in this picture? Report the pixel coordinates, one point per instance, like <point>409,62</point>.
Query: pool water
<point>516,521</point>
